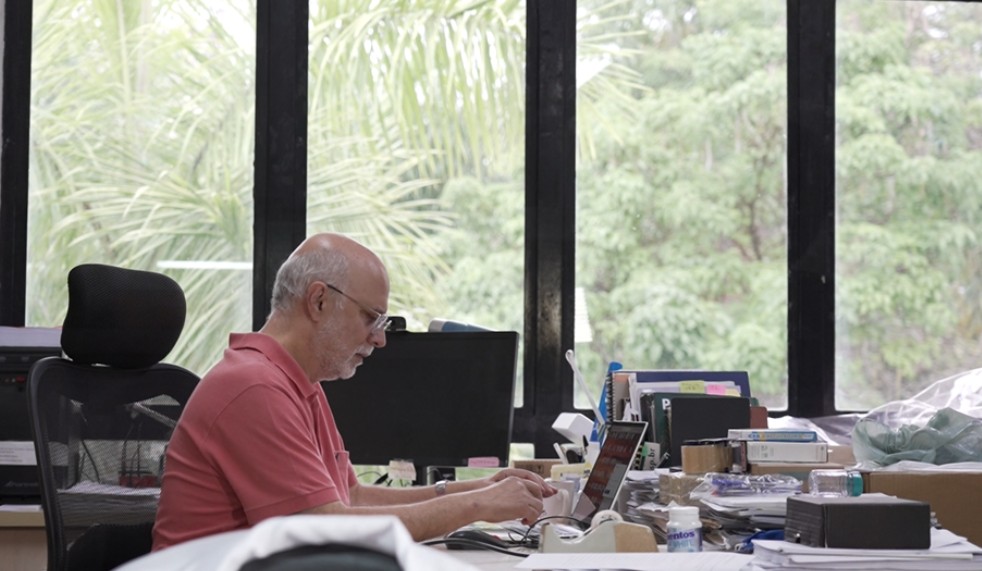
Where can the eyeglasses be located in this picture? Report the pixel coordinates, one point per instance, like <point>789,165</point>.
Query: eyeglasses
<point>382,320</point>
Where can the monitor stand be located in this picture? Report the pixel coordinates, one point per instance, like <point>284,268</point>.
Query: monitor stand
<point>429,475</point>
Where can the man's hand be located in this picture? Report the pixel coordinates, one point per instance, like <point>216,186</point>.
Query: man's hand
<point>512,497</point>
<point>546,489</point>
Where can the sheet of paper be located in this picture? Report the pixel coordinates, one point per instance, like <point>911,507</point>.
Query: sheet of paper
<point>20,508</point>
<point>703,561</point>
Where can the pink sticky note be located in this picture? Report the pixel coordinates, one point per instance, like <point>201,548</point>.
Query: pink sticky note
<point>483,462</point>
<point>714,389</point>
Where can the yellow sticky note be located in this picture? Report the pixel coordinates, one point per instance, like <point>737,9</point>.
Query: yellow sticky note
<point>692,387</point>
<point>732,392</point>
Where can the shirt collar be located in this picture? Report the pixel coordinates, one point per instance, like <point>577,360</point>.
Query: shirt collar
<point>278,356</point>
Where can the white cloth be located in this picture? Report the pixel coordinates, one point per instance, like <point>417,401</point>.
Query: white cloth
<point>229,551</point>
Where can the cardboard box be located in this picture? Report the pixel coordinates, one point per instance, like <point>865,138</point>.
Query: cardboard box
<point>839,454</point>
<point>675,487</point>
<point>955,497</point>
<point>865,522</point>
<point>540,466</point>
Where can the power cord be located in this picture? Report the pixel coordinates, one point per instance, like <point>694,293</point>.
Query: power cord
<point>472,543</point>
<point>525,538</point>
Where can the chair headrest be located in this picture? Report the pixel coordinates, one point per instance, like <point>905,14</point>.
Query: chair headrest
<point>123,318</point>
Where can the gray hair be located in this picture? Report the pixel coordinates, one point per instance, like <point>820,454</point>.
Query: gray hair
<point>304,268</point>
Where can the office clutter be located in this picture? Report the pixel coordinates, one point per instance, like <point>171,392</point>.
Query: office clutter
<point>712,474</point>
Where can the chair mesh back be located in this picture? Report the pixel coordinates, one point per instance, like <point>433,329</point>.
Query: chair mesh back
<point>100,435</point>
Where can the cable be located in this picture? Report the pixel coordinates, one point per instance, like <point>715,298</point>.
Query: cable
<point>474,544</point>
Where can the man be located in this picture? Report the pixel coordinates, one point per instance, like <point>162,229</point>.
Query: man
<point>258,438</point>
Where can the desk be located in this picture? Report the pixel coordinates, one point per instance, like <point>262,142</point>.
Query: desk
<point>718,560</point>
<point>487,560</point>
<point>23,544</point>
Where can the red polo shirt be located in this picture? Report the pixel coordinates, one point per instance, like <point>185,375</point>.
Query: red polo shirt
<point>256,440</point>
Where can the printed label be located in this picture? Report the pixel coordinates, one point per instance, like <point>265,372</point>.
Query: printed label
<point>17,453</point>
<point>685,541</point>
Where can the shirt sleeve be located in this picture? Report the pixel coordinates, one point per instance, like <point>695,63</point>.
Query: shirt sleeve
<point>267,449</point>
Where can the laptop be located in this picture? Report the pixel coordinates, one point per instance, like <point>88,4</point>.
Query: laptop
<point>620,448</point>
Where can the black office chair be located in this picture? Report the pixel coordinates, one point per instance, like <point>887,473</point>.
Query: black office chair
<point>325,557</point>
<point>102,417</point>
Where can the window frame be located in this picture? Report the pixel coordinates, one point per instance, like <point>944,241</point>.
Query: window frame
<point>281,170</point>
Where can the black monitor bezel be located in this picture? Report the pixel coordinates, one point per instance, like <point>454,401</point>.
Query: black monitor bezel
<point>377,410</point>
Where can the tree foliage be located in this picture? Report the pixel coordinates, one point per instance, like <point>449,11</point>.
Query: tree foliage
<point>143,132</point>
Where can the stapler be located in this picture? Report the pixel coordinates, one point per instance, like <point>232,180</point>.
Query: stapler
<point>608,534</point>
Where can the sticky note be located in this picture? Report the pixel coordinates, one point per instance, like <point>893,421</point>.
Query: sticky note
<point>715,389</point>
<point>692,386</point>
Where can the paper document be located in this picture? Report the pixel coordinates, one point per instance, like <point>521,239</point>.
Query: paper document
<point>20,508</point>
<point>702,561</point>
<point>89,487</point>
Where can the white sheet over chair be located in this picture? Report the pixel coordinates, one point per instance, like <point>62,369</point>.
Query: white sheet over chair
<point>229,551</point>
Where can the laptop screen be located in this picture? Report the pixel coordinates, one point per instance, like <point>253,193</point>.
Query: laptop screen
<point>620,447</point>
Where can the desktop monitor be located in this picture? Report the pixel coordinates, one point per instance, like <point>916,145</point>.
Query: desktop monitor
<point>437,399</point>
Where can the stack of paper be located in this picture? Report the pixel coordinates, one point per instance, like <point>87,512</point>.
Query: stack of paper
<point>948,552</point>
<point>729,520</point>
<point>765,511</point>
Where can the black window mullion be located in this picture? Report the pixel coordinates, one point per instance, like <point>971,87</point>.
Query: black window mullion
<point>550,177</point>
<point>281,142</point>
<point>14,157</point>
<point>811,207</point>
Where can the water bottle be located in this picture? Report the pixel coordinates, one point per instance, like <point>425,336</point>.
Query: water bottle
<point>684,529</point>
<point>835,483</point>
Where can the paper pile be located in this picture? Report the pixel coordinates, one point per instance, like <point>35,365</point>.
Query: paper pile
<point>948,552</point>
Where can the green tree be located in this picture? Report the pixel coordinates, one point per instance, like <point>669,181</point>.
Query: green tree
<point>681,222</point>
<point>142,144</point>
<point>910,199</point>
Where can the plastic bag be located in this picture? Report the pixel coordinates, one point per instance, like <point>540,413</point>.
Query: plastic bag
<point>724,484</point>
<point>939,425</point>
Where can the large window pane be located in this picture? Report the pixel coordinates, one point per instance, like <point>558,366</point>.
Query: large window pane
<point>416,133</point>
<point>909,195</point>
<point>141,155</point>
<point>681,190</point>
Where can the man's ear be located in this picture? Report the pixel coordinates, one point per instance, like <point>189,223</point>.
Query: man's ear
<point>315,301</point>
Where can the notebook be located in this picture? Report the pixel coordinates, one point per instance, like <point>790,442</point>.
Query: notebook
<point>621,443</point>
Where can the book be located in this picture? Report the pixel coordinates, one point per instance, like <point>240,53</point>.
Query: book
<point>785,451</point>
<point>773,435</point>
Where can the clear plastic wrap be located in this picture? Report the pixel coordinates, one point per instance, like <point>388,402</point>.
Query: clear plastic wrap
<point>721,484</point>
<point>940,425</point>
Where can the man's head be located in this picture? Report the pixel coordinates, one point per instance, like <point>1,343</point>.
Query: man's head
<point>329,303</point>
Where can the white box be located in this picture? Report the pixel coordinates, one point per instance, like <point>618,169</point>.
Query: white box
<point>787,452</point>
<point>573,426</point>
